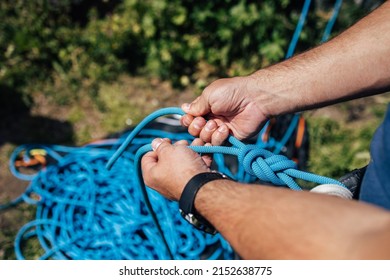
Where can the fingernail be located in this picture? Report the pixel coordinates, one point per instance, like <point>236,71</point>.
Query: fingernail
<point>210,126</point>
<point>156,142</point>
<point>197,123</point>
<point>185,121</point>
<point>186,107</point>
<point>222,128</point>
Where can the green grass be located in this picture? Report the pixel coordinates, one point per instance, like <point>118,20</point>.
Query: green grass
<point>340,145</point>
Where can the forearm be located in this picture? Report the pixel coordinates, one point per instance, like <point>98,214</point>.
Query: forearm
<point>272,223</point>
<point>354,64</point>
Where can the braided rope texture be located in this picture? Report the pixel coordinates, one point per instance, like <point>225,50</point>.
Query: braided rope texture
<point>85,211</point>
<point>91,208</point>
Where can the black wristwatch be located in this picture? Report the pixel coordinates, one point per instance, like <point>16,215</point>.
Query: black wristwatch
<point>187,199</point>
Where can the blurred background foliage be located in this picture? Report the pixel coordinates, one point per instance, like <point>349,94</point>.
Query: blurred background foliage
<point>76,45</point>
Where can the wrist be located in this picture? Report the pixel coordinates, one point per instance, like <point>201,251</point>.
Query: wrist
<point>276,90</point>
<point>219,201</point>
<point>187,200</point>
<point>204,202</point>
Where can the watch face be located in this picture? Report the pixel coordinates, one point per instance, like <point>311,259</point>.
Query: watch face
<point>193,220</point>
<point>189,218</point>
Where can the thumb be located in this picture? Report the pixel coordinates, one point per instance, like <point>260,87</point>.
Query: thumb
<point>148,162</point>
<point>199,107</point>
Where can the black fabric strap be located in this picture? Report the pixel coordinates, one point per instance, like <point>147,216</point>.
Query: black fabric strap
<point>187,198</point>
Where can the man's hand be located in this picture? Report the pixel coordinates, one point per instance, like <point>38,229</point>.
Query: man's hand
<point>227,104</point>
<point>169,167</point>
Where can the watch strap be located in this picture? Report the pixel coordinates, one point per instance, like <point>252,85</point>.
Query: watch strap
<point>187,199</point>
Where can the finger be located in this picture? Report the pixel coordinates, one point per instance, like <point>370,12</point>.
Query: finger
<point>220,135</point>
<point>207,158</point>
<point>186,120</point>
<point>150,170</point>
<point>182,143</point>
<point>208,130</point>
<point>148,162</point>
<point>199,107</point>
<point>186,106</point>
<point>159,144</point>
<point>196,126</point>
<point>197,142</point>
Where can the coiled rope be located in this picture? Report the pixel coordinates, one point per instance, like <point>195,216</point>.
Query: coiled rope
<point>85,211</point>
<point>256,161</point>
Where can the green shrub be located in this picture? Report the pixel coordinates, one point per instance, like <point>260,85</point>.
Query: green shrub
<point>189,41</point>
<point>72,46</point>
<point>41,43</point>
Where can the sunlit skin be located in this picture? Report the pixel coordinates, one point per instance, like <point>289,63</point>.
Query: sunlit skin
<point>276,223</point>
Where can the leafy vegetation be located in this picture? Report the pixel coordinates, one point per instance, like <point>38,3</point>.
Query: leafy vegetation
<point>98,66</point>
<point>70,47</point>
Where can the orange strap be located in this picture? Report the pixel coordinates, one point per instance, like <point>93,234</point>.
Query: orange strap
<point>265,136</point>
<point>300,132</point>
<point>35,160</point>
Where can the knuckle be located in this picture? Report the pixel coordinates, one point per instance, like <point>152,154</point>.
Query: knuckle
<point>205,135</point>
<point>217,138</point>
<point>197,142</point>
<point>186,120</point>
<point>182,142</point>
<point>193,132</point>
<point>163,147</point>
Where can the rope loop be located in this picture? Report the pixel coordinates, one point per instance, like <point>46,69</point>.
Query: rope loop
<point>263,164</point>
<point>246,155</point>
<point>85,211</point>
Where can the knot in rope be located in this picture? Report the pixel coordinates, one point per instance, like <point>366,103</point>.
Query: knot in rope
<point>264,164</point>
<point>87,212</point>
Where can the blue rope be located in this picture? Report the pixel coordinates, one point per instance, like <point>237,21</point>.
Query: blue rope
<point>256,161</point>
<point>298,29</point>
<point>85,211</point>
<point>332,21</point>
<point>301,23</point>
<point>290,130</point>
<point>291,50</point>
